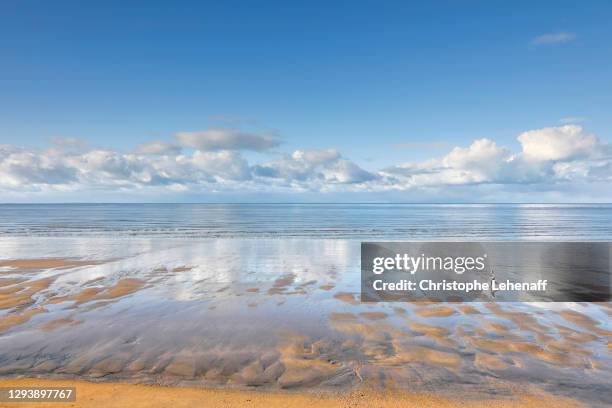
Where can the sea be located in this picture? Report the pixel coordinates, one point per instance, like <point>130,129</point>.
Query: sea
<point>322,221</point>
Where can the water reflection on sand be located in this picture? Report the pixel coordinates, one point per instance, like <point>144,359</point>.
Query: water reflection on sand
<point>277,313</point>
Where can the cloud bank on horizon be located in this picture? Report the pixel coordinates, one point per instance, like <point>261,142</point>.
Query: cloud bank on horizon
<point>564,163</point>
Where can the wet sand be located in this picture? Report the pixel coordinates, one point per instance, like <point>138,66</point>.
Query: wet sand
<point>276,319</point>
<point>24,265</point>
<point>109,395</point>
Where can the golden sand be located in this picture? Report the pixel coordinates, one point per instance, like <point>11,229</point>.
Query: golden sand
<point>524,321</point>
<point>574,335</point>
<point>20,298</point>
<point>55,323</point>
<point>9,281</point>
<point>281,284</point>
<point>489,362</point>
<point>21,294</point>
<point>495,327</point>
<point>418,354</point>
<point>467,309</point>
<point>346,316</point>
<point>373,315</point>
<point>346,297</point>
<point>44,263</point>
<point>122,288</point>
<point>114,395</point>
<point>83,296</point>
<point>441,311</point>
<point>8,321</point>
<point>578,319</point>
<point>429,330</point>
<point>585,322</point>
<point>558,353</point>
<point>370,340</point>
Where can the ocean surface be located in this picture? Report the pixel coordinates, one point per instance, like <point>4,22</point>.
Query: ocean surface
<point>267,296</point>
<point>345,221</point>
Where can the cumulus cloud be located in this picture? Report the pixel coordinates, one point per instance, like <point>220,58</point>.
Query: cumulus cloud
<point>553,38</point>
<point>557,143</point>
<point>549,155</point>
<point>225,165</point>
<point>227,139</point>
<point>326,166</point>
<point>315,157</point>
<point>481,162</point>
<point>20,168</point>
<point>554,160</point>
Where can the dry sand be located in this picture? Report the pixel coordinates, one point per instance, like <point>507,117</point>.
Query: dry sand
<point>110,395</point>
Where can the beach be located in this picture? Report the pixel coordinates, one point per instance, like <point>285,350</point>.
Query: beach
<point>275,321</point>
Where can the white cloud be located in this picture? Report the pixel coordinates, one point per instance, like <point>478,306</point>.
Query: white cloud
<point>550,156</point>
<point>315,157</point>
<point>313,168</point>
<point>483,156</point>
<point>553,38</point>
<point>551,160</point>
<point>227,139</point>
<point>225,165</point>
<point>481,162</point>
<point>557,143</point>
<point>21,169</point>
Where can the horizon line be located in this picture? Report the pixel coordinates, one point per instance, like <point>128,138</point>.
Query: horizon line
<point>304,203</point>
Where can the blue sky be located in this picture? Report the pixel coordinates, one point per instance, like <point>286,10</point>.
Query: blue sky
<point>382,83</point>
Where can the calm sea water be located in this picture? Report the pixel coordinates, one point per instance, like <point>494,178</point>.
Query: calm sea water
<point>346,221</point>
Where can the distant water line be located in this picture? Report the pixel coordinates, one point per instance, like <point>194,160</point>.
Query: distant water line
<point>341,221</point>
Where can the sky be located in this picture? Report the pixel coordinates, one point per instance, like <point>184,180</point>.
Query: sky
<point>458,101</point>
